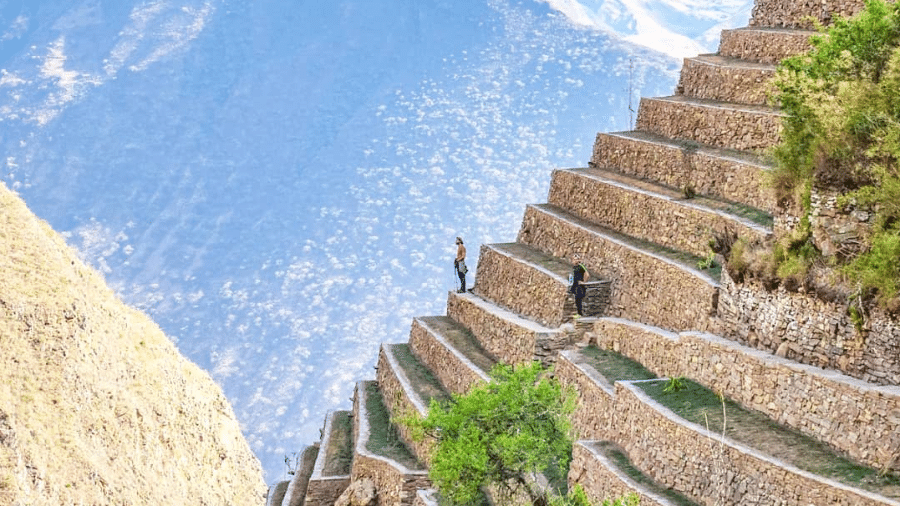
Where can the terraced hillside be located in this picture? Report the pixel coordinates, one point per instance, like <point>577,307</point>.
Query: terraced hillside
<point>782,400</point>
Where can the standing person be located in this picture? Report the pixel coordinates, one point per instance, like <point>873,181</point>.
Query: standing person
<point>460,265</point>
<point>580,274</point>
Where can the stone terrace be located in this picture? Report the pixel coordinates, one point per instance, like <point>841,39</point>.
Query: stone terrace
<point>791,368</point>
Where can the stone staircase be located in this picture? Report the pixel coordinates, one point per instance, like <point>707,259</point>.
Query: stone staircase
<point>766,416</point>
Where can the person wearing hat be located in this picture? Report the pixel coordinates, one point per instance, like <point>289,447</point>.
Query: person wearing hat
<point>460,265</point>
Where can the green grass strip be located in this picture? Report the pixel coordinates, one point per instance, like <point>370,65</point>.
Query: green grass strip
<point>614,366</point>
<point>340,445</point>
<point>422,380</point>
<point>384,439</point>
<point>614,453</point>
<point>702,406</point>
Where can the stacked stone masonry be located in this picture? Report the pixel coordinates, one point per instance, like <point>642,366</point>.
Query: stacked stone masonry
<point>504,334</point>
<point>396,484</point>
<point>323,490</point>
<point>837,230</point>
<point>699,463</point>
<point>596,473</point>
<point>811,331</point>
<point>666,219</point>
<point>594,417</point>
<point>858,419</point>
<point>523,288</point>
<point>739,127</point>
<point>711,468</point>
<point>725,79</point>
<point>401,400</point>
<point>643,285</point>
<point>456,373</point>
<point>795,13</point>
<point>763,45</point>
<point>706,170</point>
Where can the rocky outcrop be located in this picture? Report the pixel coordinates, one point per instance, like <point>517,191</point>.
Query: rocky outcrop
<point>96,404</point>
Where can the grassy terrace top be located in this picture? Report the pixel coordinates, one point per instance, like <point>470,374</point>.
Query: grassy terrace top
<point>422,380</point>
<point>384,440</point>
<point>532,255</point>
<point>339,454</point>
<point>614,366</point>
<point>462,340</point>
<point>688,260</point>
<point>702,406</point>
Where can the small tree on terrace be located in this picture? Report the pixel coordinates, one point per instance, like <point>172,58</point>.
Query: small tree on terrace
<point>500,434</point>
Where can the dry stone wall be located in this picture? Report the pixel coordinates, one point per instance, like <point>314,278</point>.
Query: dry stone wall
<point>811,331</point>
<point>763,46</point>
<point>837,230</point>
<point>708,172</point>
<point>595,414</point>
<point>596,473</point>
<point>396,484</point>
<point>745,128</point>
<point>536,293</point>
<point>324,490</point>
<point>856,418</point>
<point>713,469</point>
<point>504,334</point>
<point>794,14</point>
<point>645,287</point>
<point>713,78</point>
<point>662,219</point>
<point>400,400</point>
<point>695,461</point>
<point>456,373</point>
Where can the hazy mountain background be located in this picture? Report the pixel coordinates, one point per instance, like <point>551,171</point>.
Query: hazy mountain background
<point>279,183</point>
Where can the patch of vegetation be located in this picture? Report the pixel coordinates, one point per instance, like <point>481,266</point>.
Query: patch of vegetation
<point>842,131</point>
<point>706,408</point>
<point>340,445</point>
<point>578,497</point>
<point>384,438</point>
<point>498,435</point>
<point>463,340</point>
<point>614,366</point>
<point>422,380</point>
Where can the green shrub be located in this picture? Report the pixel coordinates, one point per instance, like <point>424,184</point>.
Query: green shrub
<point>842,131</point>
<point>498,434</point>
<point>879,267</point>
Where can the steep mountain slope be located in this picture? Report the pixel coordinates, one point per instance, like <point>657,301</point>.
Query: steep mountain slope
<point>96,404</point>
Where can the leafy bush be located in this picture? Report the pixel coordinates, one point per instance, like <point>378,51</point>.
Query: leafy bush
<point>842,131</point>
<point>577,497</point>
<point>499,434</point>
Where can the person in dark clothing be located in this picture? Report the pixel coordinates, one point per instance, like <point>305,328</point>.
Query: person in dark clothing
<point>460,265</point>
<point>579,277</point>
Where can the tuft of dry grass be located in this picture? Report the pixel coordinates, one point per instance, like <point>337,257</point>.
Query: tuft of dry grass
<point>96,404</point>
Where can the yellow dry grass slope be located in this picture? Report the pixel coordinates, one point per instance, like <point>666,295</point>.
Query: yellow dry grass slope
<point>96,404</point>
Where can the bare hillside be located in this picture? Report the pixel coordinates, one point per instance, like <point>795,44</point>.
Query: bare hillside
<point>96,404</point>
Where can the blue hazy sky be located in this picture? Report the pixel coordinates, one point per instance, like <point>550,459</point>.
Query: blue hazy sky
<point>279,183</point>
